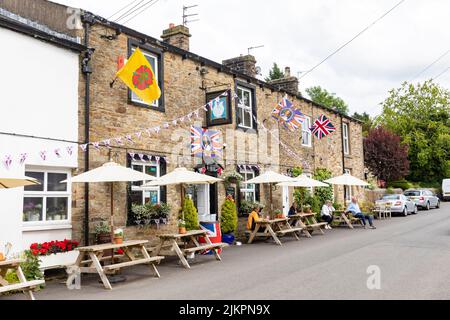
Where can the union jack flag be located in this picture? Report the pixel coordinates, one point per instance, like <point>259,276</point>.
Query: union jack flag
<point>322,127</point>
<point>206,143</point>
<point>285,113</point>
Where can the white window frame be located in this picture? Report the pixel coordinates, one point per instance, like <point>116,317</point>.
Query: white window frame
<point>306,130</point>
<point>147,189</point>
<point>134,97</point>
<point>243,108</point>
<point>30,225</point>
<point>244,188</point>
<point>348,189</point>
<point>345,136</point>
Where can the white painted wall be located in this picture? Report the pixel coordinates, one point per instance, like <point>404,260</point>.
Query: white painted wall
<point>38,97</point>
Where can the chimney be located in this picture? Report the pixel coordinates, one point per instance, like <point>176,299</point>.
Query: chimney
<point>287,83</point>
<point>177,36</point>
<point>243,64</point>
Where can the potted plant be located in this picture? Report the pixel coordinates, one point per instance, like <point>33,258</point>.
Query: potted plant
<point>278,214</point>
<point>233,177</point>
<point>307,208</point>
<point>55,253</point>
<point>103,232</point>
<point>181,226</point>
<point>228,220</point>
<point>118,236</point>
<point>189,214</point>
<point>139,212</point>
<point>163,211</point>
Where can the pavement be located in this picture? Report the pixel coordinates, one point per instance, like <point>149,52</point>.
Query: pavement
<point>404,258</point>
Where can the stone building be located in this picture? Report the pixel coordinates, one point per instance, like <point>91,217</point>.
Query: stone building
<point>187,82</point>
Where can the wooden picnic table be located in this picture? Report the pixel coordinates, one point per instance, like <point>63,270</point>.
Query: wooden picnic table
<point>307,222</point>
<point>26,286</point>
<point>171,241</point>
<point>95,254</point>
<point>343,217</point>
<point>273,228</point>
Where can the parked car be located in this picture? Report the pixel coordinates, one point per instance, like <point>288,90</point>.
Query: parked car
<point>424,199</point>
<point>398,203</point>
<point>446,189</point>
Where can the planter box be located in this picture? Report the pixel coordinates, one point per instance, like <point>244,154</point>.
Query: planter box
<point>58,260</point>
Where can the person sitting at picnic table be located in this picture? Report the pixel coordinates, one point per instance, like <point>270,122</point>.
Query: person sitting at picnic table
<point>327,213</point>
<point>292,209</point>
<point>353,208</point>
<point>252,218</point>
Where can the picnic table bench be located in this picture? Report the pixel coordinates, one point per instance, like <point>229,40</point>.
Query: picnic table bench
<point>308,223</point>
<point>346,218</point>
<point>273,228</point>
<point>26,286</point>
<point>96,254</point>
<point>170,242</point>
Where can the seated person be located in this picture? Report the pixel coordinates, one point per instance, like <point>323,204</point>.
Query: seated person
<point>292,209</point>
<point>327,214</point>
<point>252,218</point>
<point>353,208</point>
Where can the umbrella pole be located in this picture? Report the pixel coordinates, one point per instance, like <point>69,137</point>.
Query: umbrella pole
<point>271,203</point>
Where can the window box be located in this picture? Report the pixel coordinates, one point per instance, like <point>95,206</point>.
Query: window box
<point>58,260</point>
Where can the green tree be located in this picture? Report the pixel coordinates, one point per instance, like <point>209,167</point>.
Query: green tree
<point>420,115</point>
<point>367,121</point>
<point>275,73</point>
<point>189,214</point>
<point>228,216</point>
<point>327,99</point>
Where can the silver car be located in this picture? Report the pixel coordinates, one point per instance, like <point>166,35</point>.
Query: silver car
<point>398,204</point>
<point>424,199</point>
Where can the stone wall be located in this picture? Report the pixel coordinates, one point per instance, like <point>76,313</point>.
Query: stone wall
<point>112,115</point>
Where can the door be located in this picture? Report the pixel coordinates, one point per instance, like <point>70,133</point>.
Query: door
<point>202,196</point>
<point>286,201</point>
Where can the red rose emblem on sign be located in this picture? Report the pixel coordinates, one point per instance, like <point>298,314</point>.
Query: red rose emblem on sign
<point>142,78</point>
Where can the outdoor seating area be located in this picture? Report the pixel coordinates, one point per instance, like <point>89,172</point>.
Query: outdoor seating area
<point>108,259</point>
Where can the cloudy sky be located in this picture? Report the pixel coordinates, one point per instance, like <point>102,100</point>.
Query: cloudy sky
<point>300,33</point>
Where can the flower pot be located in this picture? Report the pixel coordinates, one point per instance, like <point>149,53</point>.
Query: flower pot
<point>182,230</point>
<point>57,260</point>
<point>2,257</point>
<point>103,238</point>
<point>228,238</point>
<point>118,240</point>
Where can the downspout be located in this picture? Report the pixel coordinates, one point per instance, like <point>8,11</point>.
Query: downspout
<point>343,153</point>
<point>86,69</point>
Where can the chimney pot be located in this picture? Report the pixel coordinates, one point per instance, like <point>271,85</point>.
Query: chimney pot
<point>171,25</point>
<point>287,72</point>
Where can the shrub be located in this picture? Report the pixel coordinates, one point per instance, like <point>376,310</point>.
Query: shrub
<point>189,214</point>
<point>402,184</point>
<point>325,193</point>
<point>228,217</point>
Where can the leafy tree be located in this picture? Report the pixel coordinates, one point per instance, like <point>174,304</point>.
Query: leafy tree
<point>385,155</point>
<point>275,73</point>
<point>367,121</point>
<point>327,99</point>
<point>189,214</point>
<point>228,217</point>
<point>420,115</point>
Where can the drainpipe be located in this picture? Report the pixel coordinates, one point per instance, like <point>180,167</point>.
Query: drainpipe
<point>86,69</point>
<point>343,153</point>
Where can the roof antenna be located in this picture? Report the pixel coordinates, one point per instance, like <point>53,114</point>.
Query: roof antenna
<point>186,15</point>
<point>252,48</point>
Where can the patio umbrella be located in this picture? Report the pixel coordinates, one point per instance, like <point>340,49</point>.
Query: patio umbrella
<point>305,182</point>
<point>346,180</point>
<point>19,181</point>
<point>111,172</point>
<point>182,176</point>
<point>270,177</point>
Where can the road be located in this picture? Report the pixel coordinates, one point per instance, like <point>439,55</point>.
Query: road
<point>412,254</point>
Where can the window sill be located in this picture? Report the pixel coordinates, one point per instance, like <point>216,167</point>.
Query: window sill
<point>146,106</point>
<point>44,227</point>
<point>247,130</point>
<point>306,146</point>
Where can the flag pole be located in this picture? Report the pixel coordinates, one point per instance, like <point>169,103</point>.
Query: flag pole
<point>111,84</point>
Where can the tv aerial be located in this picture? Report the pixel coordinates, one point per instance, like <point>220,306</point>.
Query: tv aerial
<point>186,15</point>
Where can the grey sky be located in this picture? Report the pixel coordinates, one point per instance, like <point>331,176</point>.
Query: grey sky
<point>301,33</point>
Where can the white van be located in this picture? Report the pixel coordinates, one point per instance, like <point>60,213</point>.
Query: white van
<point>446,189</point>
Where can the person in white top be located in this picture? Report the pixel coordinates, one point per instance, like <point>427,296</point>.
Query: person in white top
<point>327,213</point>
